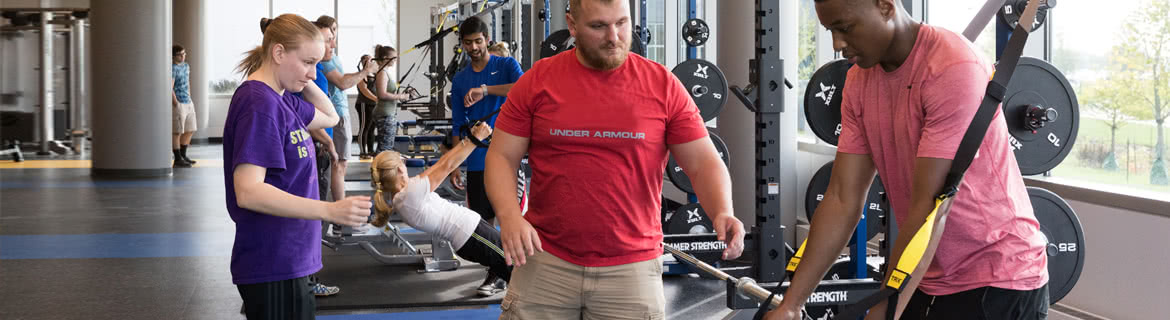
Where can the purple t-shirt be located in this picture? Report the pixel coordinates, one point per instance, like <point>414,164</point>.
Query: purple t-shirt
<point>269,130</point>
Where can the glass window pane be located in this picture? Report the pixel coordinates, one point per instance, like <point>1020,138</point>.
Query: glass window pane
<point>234,30</point>
<point>362,24</point>
<point>1119,78</point>
<point>656,22</point>
<point>956,14</point>
<point>806,50</point>
<point>309,9</point>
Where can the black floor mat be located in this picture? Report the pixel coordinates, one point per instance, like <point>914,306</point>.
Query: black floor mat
<point>369,284</point>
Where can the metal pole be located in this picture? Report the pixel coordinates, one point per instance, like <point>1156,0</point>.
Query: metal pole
<point>77,94</point>
<point>46,118</point>
<point>692,52</point>
<point>517,24</point>
<point>746,286</point>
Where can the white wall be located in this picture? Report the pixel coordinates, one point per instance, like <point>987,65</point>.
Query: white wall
<point>414,18</point>
<point>1124,276</point>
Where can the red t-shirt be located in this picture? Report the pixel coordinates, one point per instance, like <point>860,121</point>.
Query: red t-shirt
<point>598,146</point>
<point>922,109</point>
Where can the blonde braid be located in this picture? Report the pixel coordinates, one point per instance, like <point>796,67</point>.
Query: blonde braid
<point>382,209</point>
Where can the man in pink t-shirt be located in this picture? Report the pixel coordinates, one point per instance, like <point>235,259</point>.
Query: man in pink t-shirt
<point>907,103</point>
<point>597,122</point>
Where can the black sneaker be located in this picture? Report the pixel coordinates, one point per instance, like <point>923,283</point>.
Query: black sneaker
<point>180,163</point>
<point>491,286</point>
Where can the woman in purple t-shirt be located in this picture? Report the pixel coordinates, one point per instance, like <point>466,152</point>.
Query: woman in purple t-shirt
<point>270,173</point>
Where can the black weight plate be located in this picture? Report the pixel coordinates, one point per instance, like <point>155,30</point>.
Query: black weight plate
<point>680,179</point>
<point>688,219</point>
<point>1066,241</point>
<point>1036,82</point>
<point>695,32</point>
<point>557,42</point>
<point>1011,10</point>
<point>873,201</point>
<point>822,100</point>
<point>638,44</point>
<point>706,85</point>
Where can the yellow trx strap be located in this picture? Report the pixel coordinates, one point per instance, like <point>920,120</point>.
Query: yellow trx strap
<point>915,250</point>
<point>443,21</point>
<point>795,261</point>
<point>910,258</point>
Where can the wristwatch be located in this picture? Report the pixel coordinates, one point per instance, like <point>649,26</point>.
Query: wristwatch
<point>484,88</point>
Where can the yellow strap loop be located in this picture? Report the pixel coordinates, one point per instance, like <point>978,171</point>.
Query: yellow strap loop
<point>915,250</point>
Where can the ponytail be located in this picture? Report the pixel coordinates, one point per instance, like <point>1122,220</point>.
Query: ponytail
<point>288,30</point>
<point>384,175</point>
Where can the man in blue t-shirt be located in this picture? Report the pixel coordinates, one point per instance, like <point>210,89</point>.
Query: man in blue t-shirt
<point>183,122</point>
<point>477,91</point>
<point>338,81</point>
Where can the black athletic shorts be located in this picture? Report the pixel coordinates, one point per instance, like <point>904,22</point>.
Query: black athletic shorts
<point>484,248</point>
<point>285,299</point>
<point>980,304</point>
<point>477,199</point>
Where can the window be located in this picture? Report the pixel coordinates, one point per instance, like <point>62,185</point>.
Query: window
<point>234,30</point>
<point>1123,86</point>
<point>656,22</point>
<point>956,14</point>
<point>362,24</point>
<point>807,62</point>
<point>309,9</point>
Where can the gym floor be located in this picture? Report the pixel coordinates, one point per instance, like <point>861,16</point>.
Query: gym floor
<point>73,247</point>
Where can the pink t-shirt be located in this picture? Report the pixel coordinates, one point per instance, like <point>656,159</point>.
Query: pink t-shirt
<point>922,109</point>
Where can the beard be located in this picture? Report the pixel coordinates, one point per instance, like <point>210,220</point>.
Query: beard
<point>477,56</point>
<point>597,56</point>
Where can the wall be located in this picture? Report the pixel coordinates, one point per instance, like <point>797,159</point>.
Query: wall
<point>414,18</point>
<point>1126,257</point>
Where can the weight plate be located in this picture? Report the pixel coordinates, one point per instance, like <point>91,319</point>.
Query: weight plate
<point>561,40</point>
<point>822,100</point>
<point>556,42</point>
<point>1037,83</point>
<point>695,32</point>
<point>1065,241</point>
<point>820,183</point>
<point>706,85</point>
<point>638,43</point>
<point>688,219</point>
<point>1010,13</point>
<point>680,179</point>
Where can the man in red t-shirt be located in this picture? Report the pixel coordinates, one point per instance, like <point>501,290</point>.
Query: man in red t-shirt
<point>597,123</point>
<point>907,103</point>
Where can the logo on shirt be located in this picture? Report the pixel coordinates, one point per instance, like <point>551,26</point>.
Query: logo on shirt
<point>597,134</point>
<point>827,92</point>
<point>494,73</point>
<point>298,136</point>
